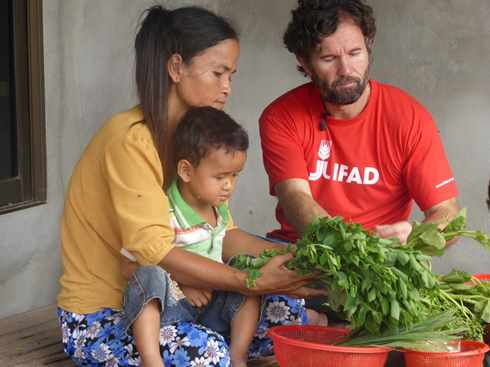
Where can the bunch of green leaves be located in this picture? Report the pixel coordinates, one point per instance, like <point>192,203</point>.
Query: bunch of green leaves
<point>431,334</point>
<point>470,291</point>
<point>468,297</point>
<point>373,282</point>
<point>251,265</point>
<point>380,286</point>
<point>431,240</point>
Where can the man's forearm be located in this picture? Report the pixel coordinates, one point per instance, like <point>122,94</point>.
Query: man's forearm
<point>300,210</point>
<point>443,213</point>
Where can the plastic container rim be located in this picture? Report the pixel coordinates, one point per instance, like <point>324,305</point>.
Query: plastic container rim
<point>483,348</point>
<point>482,276</point>
<point>273,332</point>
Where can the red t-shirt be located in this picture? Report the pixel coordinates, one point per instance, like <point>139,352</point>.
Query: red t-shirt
<point>368,169</point>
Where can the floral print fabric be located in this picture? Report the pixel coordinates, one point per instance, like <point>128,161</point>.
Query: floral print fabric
<point>99,339</point>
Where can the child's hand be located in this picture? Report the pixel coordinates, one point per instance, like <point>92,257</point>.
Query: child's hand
<point>128,268</point>
<point>196,297</point>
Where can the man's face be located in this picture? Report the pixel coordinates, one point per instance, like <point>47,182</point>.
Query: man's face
<point>339,67</point>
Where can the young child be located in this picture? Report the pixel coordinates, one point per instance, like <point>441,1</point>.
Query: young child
<point>210,150</point>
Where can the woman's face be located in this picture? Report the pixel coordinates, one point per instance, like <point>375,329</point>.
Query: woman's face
<point>205,80</point>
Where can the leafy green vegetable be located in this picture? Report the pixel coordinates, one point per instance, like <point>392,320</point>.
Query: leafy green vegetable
<point>457,224</point>
<point>455,276</point>
<point>384,288</point>
<point>467,296</point>
<point>427,335</point>
<point>251,264</point>
<point>373,282</point>
<point>426,237</point>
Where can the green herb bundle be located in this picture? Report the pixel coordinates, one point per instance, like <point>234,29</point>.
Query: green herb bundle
<point>251,265</point>
<point>373,282</point>
<point>469,291</point>
<point>380,286</point>
<point>469,299</point>
<point>432,335</point>
<point>429,239</point>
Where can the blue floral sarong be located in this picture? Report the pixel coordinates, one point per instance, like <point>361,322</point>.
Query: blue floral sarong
<point>99,339</point>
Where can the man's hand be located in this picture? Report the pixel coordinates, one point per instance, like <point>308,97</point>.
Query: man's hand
<point>440,214</point>
<point>196,297</point>
<point>399,230</point>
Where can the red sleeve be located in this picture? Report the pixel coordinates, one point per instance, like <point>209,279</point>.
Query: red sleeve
<point>429,177</point>
<point>282,148</point>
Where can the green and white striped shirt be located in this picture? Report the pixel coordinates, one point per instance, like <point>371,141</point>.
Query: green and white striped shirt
<point>193,233</point>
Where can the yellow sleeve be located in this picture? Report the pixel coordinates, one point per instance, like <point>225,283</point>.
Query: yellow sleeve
<point>135,180</point>
<point>231,225</point>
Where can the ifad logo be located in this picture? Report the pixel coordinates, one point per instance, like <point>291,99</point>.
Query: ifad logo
<point>324,150</point>
<point>341,172</point>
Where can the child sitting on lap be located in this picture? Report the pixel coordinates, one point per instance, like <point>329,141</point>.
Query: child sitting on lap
<point>210,150</point>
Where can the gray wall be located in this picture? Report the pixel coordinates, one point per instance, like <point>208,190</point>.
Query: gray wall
<point>439,52</point>
<point>89,66</point>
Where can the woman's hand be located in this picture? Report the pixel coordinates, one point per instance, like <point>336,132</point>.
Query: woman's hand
<point>196,297</point>
<point>277,279</point>
<point>199,272</point>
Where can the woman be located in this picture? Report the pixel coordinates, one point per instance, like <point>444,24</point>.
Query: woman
<point>184,58</point>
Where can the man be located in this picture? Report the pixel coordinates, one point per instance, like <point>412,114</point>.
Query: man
<point>347,145</point>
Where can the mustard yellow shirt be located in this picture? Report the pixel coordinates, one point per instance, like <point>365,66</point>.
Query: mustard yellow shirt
<point>115,199</point>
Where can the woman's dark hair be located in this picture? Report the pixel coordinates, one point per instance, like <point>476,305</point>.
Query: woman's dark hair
<point>185,31</point>
<point>205,128</point>
<point>314,19</point>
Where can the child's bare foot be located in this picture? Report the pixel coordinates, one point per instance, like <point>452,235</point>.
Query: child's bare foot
<point>316,318</point>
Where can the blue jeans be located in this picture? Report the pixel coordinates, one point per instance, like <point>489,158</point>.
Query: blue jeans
<point>152,282</point>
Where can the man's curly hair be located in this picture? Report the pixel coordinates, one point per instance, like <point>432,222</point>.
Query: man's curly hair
<point>314,19</point>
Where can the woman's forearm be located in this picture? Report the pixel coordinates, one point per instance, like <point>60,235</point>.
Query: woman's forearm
<point>239,242</point>
<point>197,271</point>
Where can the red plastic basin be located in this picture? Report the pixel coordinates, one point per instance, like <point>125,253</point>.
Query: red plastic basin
<point>312,346</point>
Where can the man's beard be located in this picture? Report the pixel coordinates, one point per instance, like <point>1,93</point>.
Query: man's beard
<point>341,96</point>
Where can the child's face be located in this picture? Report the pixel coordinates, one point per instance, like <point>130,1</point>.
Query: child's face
<point>213,181</point>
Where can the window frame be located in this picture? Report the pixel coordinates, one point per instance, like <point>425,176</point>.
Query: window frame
<point>29,187</point>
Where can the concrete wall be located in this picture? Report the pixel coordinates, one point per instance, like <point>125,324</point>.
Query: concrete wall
<point>89,77</point>
<point>438,52</point>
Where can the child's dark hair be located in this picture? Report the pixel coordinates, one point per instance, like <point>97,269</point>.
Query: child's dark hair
<point>205,128</point>
<point>314,19</point>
